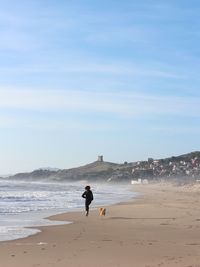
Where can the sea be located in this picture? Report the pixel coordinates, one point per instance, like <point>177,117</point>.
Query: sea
<point>24,206</point>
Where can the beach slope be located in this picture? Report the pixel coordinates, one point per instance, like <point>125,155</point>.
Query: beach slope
<point>160,228</point>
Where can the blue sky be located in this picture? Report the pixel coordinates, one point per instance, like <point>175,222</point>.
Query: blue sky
<point>83,78</point>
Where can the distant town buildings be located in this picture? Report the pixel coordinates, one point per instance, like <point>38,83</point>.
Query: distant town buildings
<point>173,167</point>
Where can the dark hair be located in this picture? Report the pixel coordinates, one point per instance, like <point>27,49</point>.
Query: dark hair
<point>87,187</point>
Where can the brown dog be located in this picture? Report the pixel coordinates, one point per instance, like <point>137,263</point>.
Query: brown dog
<point>102,211</point>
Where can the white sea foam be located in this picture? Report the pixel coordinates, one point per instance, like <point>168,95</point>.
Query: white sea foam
<point>26,204</point>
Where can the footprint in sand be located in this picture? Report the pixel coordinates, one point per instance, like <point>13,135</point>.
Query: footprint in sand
<point>121,243</point>
<point>193,244</point>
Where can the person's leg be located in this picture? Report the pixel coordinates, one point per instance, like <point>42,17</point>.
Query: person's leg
<point>87,203</point>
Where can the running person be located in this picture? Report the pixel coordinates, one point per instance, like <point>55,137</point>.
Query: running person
<point>88,195</point>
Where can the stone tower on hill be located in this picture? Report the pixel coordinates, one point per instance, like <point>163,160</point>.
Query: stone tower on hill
<point>100,158</point>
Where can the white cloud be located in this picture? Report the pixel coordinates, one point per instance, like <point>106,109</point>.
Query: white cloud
<point>16,41</point>
<point>178,129</point>
<point>84,67</point>
<point>124,104</point>
<point>29,121</point>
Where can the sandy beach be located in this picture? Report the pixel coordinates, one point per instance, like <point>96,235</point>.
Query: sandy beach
<point>159,228</point>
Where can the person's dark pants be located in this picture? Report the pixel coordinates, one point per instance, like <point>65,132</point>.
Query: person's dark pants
<point>87,204</point>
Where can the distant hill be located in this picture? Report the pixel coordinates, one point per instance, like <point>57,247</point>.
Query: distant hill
<point>168,168</point>
<point>49,169</point>
<point>187,156</point>
<point>96,170</point>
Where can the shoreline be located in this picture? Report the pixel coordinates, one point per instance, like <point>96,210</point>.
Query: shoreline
<point>23,224</point>
<point>159,228</point>
<point>56,222</point>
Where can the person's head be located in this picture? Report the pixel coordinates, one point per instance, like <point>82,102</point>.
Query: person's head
<point>87,188</point>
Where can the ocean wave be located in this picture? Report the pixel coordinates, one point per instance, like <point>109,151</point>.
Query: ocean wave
<point>19,200</point>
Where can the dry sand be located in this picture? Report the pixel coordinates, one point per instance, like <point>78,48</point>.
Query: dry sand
<point>160,228</point>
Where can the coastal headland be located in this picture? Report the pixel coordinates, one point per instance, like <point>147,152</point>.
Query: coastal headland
<point>159,228</point>
<point>183,169</point>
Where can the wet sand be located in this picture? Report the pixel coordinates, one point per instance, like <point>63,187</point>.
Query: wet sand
<point>159,228</point>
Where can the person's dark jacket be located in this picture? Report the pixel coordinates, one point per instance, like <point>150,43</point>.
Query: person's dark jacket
<point>88,195</point>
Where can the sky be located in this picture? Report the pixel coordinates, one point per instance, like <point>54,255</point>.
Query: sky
<point>85,78</point>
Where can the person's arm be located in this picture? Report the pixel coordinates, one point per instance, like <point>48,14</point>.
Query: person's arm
<point>84,195</point>
<point>92,196</point>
